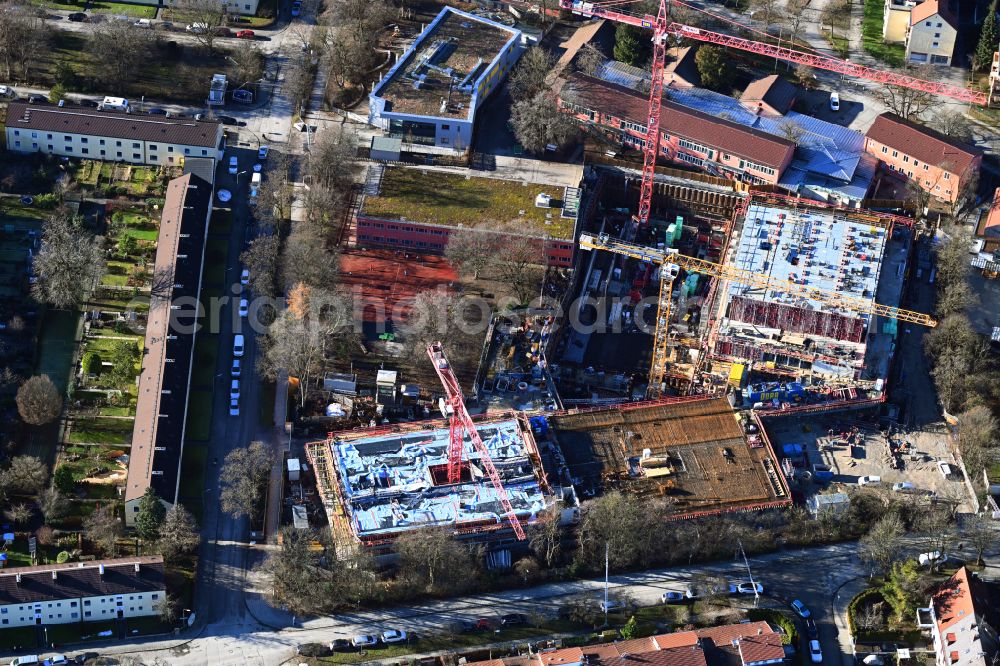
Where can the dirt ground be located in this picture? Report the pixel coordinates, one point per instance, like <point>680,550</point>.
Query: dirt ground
<point>869,457</point>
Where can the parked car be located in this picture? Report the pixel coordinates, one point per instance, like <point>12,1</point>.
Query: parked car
<point>262,153</point>
<point>811,629</point>
<point>93,103</point>
<point>85,657</point>
<point>672,597</point>
<point>244,307</point>
<point>144,23</point>
<point>78,17</point>
<point>234,165</point>
<point>245,277</point>
<point>391,636</point>
<point>222,31</point>
<point>57,659</point>
<point>801,609</point>
<point>296,8</point>
<point>815,653</point>
<point>869,480</point>
<point>197,28</point>
<point>943,467</point>
<point>238,345</point>
<point>933,559</point>
<point>246,34</point>
<point>482,624</point>
<point>750,588</point>
<point>35,99</point>
<point>234,407</point>
<point>514,620</point>
<point>313,650</point>
<point>364,640</point>
<point>835,101</point>
<point>611,605</point>
<point>339,645</point>
<point>157,111</point>
<point>234,390</point>
<point>227,120</point>
<point>903,486</point>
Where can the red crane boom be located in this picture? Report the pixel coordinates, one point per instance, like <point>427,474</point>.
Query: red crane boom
<point>460,426</point>
<point>773,51</point>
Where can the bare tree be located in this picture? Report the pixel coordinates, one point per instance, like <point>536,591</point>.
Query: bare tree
<point>167,608</point>
<point>435,562</point>
<point>616,520</point>
<point>516,256</point>
<point>69,265</point>
<point>954,125</point>
<point>120,48</point>
<point>362,19</point>
<point>791,131</point>
<point>882,545</point>
<point>26,475</point>
<point>23,35</point>
<point>178,533</point>
<point>528,77</point>
<point>248,62</point>
<point>537,123</point>
<point>306,259</point>
<point>244,478</point>
<point>52,504</point>
<point>300,75</point>
<point>908,103</point>
<point>350,58</point>
<point>977,439</point>
<point>545,538</point>
<point>39,401</point>
<point>210,14</point>
<point>472,251</point>
<point>439,316</point>
<point>333,159</point>
<point>589,59</point>
<point>103,528</point>
<point>981,534</point>
<point>261,259</point>
<point>18,513</point>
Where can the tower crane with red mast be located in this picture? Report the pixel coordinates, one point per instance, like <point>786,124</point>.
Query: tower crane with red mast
<point>460,427</point>
<point>663,27</point>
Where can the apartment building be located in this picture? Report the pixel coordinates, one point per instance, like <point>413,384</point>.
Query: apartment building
<point>168,352</point>
<point>81,591</point>
<point>689,137</point>
<point>932,32</point>
<point>432,94</point>
<point>940,164</point>
<point>963,619</point>
<point>74,131</point>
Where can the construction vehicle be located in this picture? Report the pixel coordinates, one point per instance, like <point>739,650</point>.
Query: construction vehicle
<point>663,28</point>
<point>461,426</point>
<point>673,261</point>
<point>768,391</point>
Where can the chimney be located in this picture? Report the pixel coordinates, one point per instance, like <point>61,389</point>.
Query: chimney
<point>100,570</point>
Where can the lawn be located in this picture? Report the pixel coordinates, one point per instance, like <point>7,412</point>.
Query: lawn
<point>445,199</point>
<point>839,43</point>
<point>199,416</point>
<point>206,351</point>
<point>193,470</point>
<point>871,34</point>
<point>117,432</point>
<point>74,633</point>
<point>56,344</point>
<point>22,637</point>
<point>102,7</point>
<point>221,223</point>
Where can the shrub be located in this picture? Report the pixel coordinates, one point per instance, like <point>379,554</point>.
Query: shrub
<point>46,201</point>
<point>68,541</point>
<point>91,363</point>
<point>865,598</point>
<point>62,557</point>
<point>776,617</point>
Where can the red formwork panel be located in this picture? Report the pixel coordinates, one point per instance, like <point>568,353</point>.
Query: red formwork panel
<point>795,319</point>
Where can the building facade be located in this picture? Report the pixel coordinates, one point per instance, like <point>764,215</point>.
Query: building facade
<point>110,136</point>
<point>689,137</point>
<point>932,33</point>
<point>939,164</point>
<point>432,94</point>
<point>963,619</point>
<point>81,592</point>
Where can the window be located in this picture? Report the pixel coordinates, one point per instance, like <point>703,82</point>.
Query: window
<point>927,183</point>
<point>152,146</point>
<point>17,132</point>
<point>934,45</point>
<point>916,162</point>
<point>884,149</point>
<point>170,149</point>
<point>85,151</point>
<point>48,136</point>
<point>102,153</point>
<point>102,142</point>
<point>3,611</point>
<point>155,596</point>
<point>75,615</point>
<point>926,167</point>
<point>937,35</point>
<point>118,144</point>
<point>119,154</point>
<point>204,152</point>
<point>445,128</point>
<point>136,156</point>
<point>6,621</point>
<point>947,176</point>
<point>72,604</point>
<point>135,145</point>
<point>187,151</point>
<point>34,135</point>
<point>68,137</point>
<point>50,147</point>
<point>86,613</point>
<point>895,153</point>
<point>939,24</point>
<point>69,149</point>
<point>17,144</point>
<point>928,24</point>
<point>83,139</point>
<point>906,158</point>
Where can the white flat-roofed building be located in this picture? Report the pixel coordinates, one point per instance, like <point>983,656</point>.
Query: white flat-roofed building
<point>110,135</point>
<point>433,92</point>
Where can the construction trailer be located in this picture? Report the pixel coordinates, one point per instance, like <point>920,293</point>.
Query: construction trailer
<point>377,484</point>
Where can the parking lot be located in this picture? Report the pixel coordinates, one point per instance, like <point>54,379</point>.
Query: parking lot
<point>854,450</point>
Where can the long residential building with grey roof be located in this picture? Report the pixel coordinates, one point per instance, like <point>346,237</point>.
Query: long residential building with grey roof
<point>81,591</point>
<point>74,131</point>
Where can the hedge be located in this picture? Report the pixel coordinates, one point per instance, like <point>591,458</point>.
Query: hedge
<point>790,635</point>
<point>865,597</point>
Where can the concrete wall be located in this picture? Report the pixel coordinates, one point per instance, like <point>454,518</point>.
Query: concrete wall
<point>108,149</point>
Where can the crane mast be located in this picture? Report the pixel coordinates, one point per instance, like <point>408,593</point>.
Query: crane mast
<point>461,426</point>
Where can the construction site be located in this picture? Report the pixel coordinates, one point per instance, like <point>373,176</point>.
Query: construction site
<point>694,452</point>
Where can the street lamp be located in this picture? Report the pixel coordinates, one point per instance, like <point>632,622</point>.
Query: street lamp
<point>240,173</point>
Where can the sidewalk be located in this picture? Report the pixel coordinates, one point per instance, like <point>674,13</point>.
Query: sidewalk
<point>838,608</point>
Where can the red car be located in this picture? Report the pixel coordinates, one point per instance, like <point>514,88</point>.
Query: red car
<point>245,34</point>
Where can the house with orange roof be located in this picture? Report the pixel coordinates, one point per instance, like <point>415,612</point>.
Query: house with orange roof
<point>963,619</point>
<point>932,33</point>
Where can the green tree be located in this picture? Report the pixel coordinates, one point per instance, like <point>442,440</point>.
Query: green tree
<point>989,36</point>
<point>57,93</point>
<point>124,356</point>
<point>715,68</point>
<point>62,479</point>
<point>905,589</point>
<point>628,631</point>
<point>628,45</point>
<point>150,516</point>
<point>91,363</point>
<point>127,244</point>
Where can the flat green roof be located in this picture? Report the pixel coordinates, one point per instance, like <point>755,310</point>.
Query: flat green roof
<point>433,197</point>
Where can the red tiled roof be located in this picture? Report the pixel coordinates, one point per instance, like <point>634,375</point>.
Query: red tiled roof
<point>757,649</point>
<point>131,126</point>
<point>564,656</point>
<point>929,8</point>
<point>953,602</point>
<point>728,633</point>
<point>627,104</point>
<point>923,143</point>
<point>990,224</point>
<point>772,90</point>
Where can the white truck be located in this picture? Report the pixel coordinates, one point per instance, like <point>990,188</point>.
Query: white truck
<point>114,104</point>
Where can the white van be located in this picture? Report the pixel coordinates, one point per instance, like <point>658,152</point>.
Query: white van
<point>238,345</point>
<point>114,104</point>
<point>26,659</point>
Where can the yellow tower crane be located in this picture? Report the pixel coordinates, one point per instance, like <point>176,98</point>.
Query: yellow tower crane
<point>670,263</point>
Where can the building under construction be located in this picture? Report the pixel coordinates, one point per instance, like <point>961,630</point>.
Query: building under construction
<point>693,452</point>
<point>379,484</point>
<point>839,251</point>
